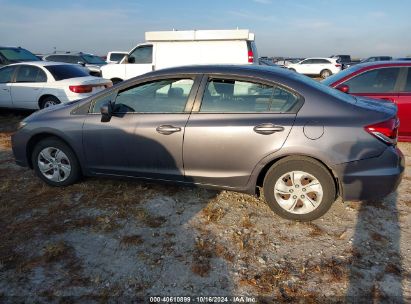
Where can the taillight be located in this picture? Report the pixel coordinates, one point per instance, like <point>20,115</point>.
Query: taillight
<point>337,65</point>
<point>250,57</point>
<point>387,131</point>
<point>81,88</point>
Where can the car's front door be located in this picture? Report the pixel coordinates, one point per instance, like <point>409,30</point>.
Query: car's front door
<point>305,66</point>
<point>27,87</point>
<point>235,123</point>
<point>6,76</point>
<point>140,61</point>
<point>144,136</point>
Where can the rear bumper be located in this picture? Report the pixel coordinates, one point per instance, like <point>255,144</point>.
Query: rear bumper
<point>371,178</point>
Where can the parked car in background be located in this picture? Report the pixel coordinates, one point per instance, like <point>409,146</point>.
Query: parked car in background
<point>115,57</point>
<point>376,58</point>
<point>9,55</point>
<point>165,49</point>
<point>323,67</point>
<point>37,85</point>
<point>389,80</point>
<point>285,62</point>
<point>345,61</point>
<point>91,62</point>
<point>404,59</point>
<point>149,127</point>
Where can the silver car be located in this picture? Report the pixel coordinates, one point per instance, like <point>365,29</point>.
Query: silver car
<point>241,128</point>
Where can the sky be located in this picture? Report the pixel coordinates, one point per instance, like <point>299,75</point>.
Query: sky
<point>295,28</point>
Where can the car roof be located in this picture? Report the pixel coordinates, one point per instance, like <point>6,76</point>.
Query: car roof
<point>41,63</point>
<point>385,63</point>
<point>246,70</point>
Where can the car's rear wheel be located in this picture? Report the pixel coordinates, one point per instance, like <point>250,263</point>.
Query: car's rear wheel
<point>55,162</point>
<point>49,101</point>
<point>299,188</point>
<point>325,73</point>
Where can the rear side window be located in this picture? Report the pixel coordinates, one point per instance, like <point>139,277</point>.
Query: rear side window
<point>61,72</point>
<point>162,96</point>
<point>28,73</point>
<point>6,74</point>
<point>234,96</point>
<point>407,87</point>
<point>375,81</point>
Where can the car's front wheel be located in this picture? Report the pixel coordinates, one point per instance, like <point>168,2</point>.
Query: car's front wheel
<point>55,162</point>
<point>299,188</point>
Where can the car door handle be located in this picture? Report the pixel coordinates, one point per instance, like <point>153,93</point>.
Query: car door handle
<point>267,128</point>
<point>167,129</point>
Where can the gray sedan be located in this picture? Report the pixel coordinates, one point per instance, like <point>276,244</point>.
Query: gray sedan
<point>242,128</point>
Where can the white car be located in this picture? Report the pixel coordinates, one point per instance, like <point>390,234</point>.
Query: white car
<point>115,57</point>
<point>317,66</point>
<point>40,84</point>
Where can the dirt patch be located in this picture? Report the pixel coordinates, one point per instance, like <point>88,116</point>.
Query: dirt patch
<point>104,238</point>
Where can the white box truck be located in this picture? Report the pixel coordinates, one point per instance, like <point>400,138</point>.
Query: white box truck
<point>176,48</point>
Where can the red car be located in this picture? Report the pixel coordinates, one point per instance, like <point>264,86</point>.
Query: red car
<point>389,80</point>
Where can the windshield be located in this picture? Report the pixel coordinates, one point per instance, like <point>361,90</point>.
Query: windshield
<point>18,55</point>
<point>333,78</point>
<point>92,59</point>
<point>66,71</point>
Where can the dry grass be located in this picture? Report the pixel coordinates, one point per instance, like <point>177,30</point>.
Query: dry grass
<point>131,240</point>
<point>213,214</point>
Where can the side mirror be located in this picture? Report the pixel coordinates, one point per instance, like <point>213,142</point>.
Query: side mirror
<point>131,59</point>
<point>81,63</point>
<point>343,88</point>
<point>106,112</point>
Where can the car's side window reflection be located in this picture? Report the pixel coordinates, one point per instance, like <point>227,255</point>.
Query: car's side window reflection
<point>234,96</point>
<point>375,81</point>
<point>102,101</point>
<point>163,96</point>
<point>6,74</point>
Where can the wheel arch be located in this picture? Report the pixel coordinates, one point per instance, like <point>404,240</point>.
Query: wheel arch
<point>44,96</point>
<point>41,136</point>
<point>263,172</point>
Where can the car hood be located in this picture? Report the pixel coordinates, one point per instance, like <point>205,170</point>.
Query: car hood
<point>67,106</point>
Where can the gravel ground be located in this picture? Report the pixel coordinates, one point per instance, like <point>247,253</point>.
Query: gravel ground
<point>102,239</point>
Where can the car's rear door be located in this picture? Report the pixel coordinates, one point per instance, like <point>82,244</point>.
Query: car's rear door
<point>144,137</point>
<point>6,77</point>
<point>28,86</point>
<point>235,123</point>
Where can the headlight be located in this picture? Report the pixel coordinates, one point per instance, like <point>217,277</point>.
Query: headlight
<point>21,124</point>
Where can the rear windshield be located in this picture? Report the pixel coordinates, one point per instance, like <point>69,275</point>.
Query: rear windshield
<point>333,78</point>
<point>92,59</point>
<point>324,88</point>
<point>18,55</point>
<point>61,72</point>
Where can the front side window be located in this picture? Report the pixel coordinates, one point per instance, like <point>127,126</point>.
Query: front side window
<point>162,96</point>
<point>234,96</point>
<point>375,81</point>
<point>30,74</point>
<point>6,74</point>
<point>307,61</point>
<point>142,54</point>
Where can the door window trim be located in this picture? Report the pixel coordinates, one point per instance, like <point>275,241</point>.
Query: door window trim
<point>189,103</point>
<point>257,80</point>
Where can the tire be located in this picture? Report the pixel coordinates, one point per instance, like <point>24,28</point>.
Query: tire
<point>325,73</point>
<point>49,101</point>
<point>302,199</point>
<point>56,169</point>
